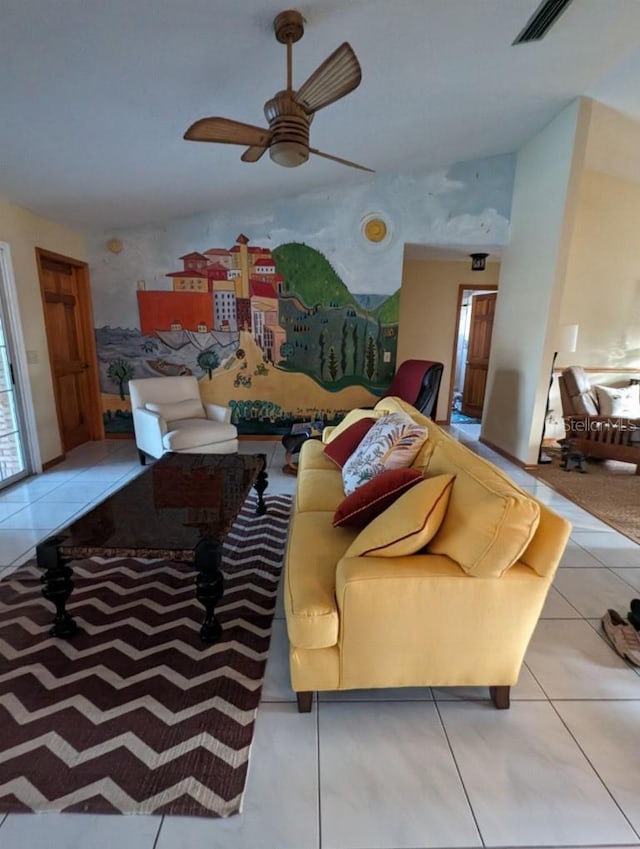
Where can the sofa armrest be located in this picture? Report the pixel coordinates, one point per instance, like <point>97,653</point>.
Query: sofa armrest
<point>217,413</point>
<point>149,427</point>
<point>423,617</point>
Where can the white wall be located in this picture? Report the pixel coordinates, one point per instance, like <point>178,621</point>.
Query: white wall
<point>548,169</point>
<point>24,231</point>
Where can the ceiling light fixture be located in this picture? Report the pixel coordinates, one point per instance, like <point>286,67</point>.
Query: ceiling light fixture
<point>478,261</point>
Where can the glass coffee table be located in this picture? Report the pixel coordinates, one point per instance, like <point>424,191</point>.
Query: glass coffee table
<point>180,509</point>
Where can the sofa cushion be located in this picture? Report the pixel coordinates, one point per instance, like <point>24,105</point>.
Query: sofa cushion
<point>585,404</point>
<point>312,456</point>
<point>392,443</point>
<point>408,524</point>
<point>340,448</point>
<point>374,496</point>
<point>489,522</point>
<point>191,408</point>
<point>195,433</point>
<point>623,401</point>
<point>313,550</point>
<point>319,490</point>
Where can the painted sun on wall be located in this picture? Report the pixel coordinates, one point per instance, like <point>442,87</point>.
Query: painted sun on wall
<point>274,335</point>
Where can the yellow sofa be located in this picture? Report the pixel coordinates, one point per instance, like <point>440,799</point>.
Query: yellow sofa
<point>460,613</point>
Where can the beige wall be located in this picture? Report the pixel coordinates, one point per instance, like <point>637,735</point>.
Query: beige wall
<point>531,279</point>
<point>24,231</point>
<point>602,289</point>
<point>428,317</point>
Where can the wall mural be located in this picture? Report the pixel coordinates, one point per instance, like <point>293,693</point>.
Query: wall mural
<point>274,334</point>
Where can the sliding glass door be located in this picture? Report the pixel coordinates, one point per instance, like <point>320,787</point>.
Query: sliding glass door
<point>12,455</point>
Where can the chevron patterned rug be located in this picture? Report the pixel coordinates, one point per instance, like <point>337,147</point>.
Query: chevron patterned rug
<point>136,715</point>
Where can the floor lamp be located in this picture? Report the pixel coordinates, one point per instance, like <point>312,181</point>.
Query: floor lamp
<point>566,343</point>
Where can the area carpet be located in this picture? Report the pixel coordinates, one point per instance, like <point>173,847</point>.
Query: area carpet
<point>135,715</point>
<point>610,490</point>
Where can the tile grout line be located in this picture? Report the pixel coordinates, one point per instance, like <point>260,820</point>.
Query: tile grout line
<point>595,771</point>
<point>157,837</point>
<point>459,773</point>
<point>317,699</point>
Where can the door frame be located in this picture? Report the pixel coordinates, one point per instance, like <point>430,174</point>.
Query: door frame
<point>85,313</point>
<point>462,288</point>
<point>26,413</point>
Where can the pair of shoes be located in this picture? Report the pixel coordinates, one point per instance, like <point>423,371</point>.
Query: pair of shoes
<point>634,614</point>
<point>622,636</point>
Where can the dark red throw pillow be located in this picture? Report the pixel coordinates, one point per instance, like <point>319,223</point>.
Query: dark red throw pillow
<point>373,497</point>
<point>342,447</point>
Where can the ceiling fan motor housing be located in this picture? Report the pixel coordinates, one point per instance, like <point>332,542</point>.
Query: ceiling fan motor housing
<point>289,124</point>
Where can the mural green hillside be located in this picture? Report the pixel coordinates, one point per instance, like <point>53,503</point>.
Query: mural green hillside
<point>389,311</point>
<point>310,275</point>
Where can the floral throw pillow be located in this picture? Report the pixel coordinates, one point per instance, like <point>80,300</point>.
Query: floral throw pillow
<point>392,443</point>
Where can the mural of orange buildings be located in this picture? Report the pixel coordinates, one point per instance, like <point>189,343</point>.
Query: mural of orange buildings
<point>161,310</point>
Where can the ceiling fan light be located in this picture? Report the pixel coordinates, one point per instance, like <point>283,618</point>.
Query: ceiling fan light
<point>289,153</point>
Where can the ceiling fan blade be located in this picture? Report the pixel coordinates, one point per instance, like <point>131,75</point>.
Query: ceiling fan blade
<point>338,75</point>
<point>253,153</point>
<point>342,161</point>
<point>225,131</point>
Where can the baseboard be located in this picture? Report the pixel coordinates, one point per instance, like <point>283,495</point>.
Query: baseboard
<point>50,463</point>
<point>526,466</point>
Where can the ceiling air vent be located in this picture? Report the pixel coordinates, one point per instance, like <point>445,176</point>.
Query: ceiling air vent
<point>542,20</point>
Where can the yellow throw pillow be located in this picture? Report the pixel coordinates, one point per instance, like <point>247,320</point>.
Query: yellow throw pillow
<point>408,524</point>
<point>490,522</point>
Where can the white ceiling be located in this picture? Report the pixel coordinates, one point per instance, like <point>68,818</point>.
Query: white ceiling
<point>95,95</point>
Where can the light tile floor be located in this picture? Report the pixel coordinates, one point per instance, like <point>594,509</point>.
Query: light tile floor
<point>400,769</point>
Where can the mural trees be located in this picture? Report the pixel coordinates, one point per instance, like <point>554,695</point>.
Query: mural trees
<point>333,363</point>
<point>120,372</point>
<point>208,361</point>
<point>317,312</point>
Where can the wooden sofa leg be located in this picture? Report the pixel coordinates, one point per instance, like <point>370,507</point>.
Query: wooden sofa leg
<point>501,697</point>
<point>305,700</point>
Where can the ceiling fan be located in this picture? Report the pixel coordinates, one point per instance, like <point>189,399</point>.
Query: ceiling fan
<point>289,112</point>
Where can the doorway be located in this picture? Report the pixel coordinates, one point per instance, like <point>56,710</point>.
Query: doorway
<point>476,309</point>
<point>17,427</point>
<point>66,300</point>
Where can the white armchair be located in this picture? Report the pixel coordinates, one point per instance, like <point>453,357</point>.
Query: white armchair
<point>168,415</point>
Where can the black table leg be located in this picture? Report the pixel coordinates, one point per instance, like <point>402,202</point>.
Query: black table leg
<point>260,485</point>
<point>56,585</point>
<point>209,586</point>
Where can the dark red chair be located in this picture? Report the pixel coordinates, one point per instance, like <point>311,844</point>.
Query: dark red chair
<point>418,382</point>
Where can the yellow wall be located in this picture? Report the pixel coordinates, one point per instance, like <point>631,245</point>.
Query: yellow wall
<point>602,289</point>
<point>428,317</point>
<point>24,231</point>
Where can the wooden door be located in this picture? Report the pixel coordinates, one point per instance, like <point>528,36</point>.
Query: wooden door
<point>67,312</point>
<point>483,308</point>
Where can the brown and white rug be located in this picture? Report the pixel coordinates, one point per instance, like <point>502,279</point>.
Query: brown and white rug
<point>136,715</point>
